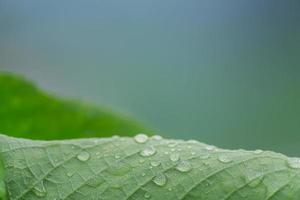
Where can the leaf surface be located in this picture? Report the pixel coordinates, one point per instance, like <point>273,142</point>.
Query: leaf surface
<point>121,168</point>
<point>27,112</point>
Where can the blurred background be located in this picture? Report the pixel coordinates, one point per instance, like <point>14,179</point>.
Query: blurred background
<point>223,72</point>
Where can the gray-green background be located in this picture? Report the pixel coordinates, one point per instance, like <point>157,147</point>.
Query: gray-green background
<point>223,72</point>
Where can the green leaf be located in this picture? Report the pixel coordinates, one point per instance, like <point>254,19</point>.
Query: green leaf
<point>2,184</point>
<point>27,112</point>
<point>144,168</point>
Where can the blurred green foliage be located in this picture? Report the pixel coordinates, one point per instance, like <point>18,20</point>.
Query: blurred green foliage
<point>27,112</point>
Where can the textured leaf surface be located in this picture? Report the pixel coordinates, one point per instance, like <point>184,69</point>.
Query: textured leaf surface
<point>127,168</point>
<point>27,112</point>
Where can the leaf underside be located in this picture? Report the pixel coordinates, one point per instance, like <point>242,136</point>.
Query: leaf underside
<point>27,112</point>
<point>120,168</point>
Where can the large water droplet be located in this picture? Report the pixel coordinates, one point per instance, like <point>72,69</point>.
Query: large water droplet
<point>160,179</point>
<point>119,168</point>
<point>294,163</point>
<point>148,151</point>
<point>184,166</point>
<point>147,195</point>
<point>40,190</point>
<point>141,138</point>
<point>224,159</point>
<point>174,157</point>
<point>155,163</point>
<point>156,137</point>
<point>83,156</point>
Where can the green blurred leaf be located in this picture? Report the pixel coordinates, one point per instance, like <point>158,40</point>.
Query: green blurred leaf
<point>140,168</point>
<point>27,112</point>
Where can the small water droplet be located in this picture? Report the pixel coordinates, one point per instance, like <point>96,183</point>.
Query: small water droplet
<point>255,182</point>
<point>148,151</point>
<point>115,137</point>
<point>173,150</point>
<point>157,137</point>
<point>258,151</point>
<point>193,153</point>
<point>294,163</point>
<point>83,156</point>
<point>155,163</point>
<point>193,141</point>
<point>160,179</point>
<point>205,156</point>
<point>166,152</point>
<point>40,190</point>
<point>224,159</point>
<point>117,156</point>
<point>174,157</point>
<point>172,144</point>
<point>210,148</point>
<point>69,174</point>
<point>170,189</point>
<point>143,174</point>
<point>189,146</point>
<point>184,166</point>
<point>141,161</point>
<point>141,138</point>
<point>147,195</point>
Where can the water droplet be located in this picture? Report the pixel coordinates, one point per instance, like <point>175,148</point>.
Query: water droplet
<point>117,156</point>
<point>294,163</point>
<point>141,161</point>
<point>210,148</point>
<point>155,163</point>
<point>83,156</point>
<point>170,189</point>
<point>256,182</point>
<point>115,137</point>
<point>141,138</point>
<point>148,151</point>
<point>143,174</point>
<point>119,168</point>
<point>69,174</point>
<point>160,179</point>
<point>193,153</point>
<point>172,144</point>
<point>147,195</point>
<point>184,166</point>
<point>193,141</point>
<point>157,137</point>
<point>258,151</point>
<point>224,159</point>
<point>40,190</point>
<point>173,150</point>
<point>174,157</point>
<point>189,146</point>
<point>205,156</point>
